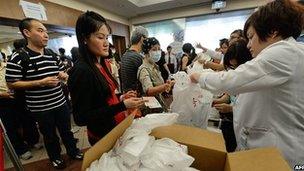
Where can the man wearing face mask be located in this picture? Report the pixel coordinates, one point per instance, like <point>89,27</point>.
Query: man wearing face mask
<point>132,59</point>
<point>149,74</point>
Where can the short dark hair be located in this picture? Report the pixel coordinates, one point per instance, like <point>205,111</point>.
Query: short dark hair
<point>238,31</point>
<point>224,41</point>
<point>237,50</point>
<point>284,16</point>
<point>61,50</point>
<point>169,47</point>
<point>26,24</point>
<point>148,44</point>
<point>75,54</point>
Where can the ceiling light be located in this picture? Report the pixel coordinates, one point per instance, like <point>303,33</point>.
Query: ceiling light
<point>143,3</point>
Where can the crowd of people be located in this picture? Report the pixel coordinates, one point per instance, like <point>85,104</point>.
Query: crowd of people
<point>258,77</point>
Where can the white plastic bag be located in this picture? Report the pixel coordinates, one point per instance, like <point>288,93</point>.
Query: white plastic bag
<point>166,154</point>
<point>192,104</point>
<point>154,120</point>
<point>105,163</point>
<point>131,145</point>
<point>182,80</point>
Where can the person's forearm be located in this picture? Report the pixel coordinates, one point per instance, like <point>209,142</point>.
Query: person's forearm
<point>152,91</point>
<point>214,54</point>
<point>25,84</point>
<point>166,68</point>
<point>5,95</point>
<point>215,66</point>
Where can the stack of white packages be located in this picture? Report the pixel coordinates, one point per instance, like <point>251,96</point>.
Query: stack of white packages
<point>136,150</point>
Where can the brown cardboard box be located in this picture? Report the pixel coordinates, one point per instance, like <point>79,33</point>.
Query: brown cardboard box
<point>206,147</point>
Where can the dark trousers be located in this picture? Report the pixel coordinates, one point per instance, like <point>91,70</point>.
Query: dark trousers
<point>12,124</point>
<point>48,122</point>
<point>29,127</point>
<point>228,134</point>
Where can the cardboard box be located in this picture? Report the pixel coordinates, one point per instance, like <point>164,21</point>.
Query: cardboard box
<point>208,149</point>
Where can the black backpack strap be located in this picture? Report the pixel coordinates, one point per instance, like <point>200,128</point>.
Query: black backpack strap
<point>139,85</point>
<point>25,61</point>
<point>20,94</point>
<point>53,54</point>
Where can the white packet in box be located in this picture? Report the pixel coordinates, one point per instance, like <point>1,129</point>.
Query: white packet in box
<point>133,142</point>
<point>166,154</point>
<point>152,121</point>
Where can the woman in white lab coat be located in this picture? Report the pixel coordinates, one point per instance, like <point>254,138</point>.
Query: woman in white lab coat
<point>269,110</point>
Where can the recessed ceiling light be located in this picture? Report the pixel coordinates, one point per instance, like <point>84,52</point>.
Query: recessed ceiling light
<point>143,3</point>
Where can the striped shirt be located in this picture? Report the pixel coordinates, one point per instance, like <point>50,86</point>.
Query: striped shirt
<point>38,67</point>
<point>130,63</point>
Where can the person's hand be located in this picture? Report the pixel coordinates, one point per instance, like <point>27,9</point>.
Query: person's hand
<point>201,61</point>
<point>6,95</point>
<point>198,45</point>
<point>63,76</point>
<point>129,94</point>
<point>49,81</point>
<point>204,62</point>
<point>134,102</point>
<point>223,99</point>
<point>223,107</point>
<point>217,101</point>
<point>195,77</point>
<point>171,82</point>
<point>166,87</point>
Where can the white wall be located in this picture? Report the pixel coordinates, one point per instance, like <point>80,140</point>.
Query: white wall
<point>84,7</point>
<point>194,11</point>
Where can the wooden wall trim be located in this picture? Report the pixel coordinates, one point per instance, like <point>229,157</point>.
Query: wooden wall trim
<point>56,14</point>
<point>60,18</point>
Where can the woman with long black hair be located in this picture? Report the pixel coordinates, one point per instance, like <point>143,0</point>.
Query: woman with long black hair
<point>189,56</point>
<point>91,84</point>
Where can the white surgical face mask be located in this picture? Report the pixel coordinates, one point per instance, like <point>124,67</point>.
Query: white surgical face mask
<point>155,55</point>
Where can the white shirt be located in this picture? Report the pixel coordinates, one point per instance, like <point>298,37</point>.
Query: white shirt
<point>270,108</point>
<point>173,59</point>
<point>3,85</point>
<point>215,55</point>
